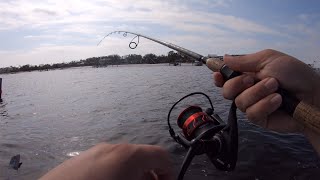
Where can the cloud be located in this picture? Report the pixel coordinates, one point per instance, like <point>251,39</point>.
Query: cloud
<point>303,17</point>
<point>92,12</point>
<point>52,53</point>
<point>77,25</point>
<point>215,3</point>
<point>45,11</point>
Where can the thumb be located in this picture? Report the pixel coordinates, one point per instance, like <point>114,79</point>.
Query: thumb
<point>246,63</point>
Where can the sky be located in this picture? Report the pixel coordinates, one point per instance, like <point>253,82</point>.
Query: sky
<point>51,31</point>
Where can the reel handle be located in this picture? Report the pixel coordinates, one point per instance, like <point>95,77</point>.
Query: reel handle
<point>186,162</point>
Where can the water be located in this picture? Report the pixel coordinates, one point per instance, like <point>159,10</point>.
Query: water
<point>47,117</point>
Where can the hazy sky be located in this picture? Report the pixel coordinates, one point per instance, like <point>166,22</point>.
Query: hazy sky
<point>47,31</point>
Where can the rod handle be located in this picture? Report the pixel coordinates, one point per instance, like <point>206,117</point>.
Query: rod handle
<point>308,115</point>
<point>214,64</point>
<point>302,112</point>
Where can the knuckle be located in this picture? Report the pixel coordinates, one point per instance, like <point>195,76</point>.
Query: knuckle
<point>260,93</point>
<point>123,146</point>
<point>237,58</point>
<point>127,148</point>
<point>143,151</point>
<point>217,84</point>
<point>101,149</point>
<point>233,87</point>
<point>269,51</point>
<point>226,94</point>
<point>161,150</point>
<point>157,148</point>
<point>139,151</point>
<point>162,153</point>
<point>240,104</point>
<point>252,116</point>
<point>101,146</point>
<point>261,90</point>
<point>153,149</point>
<point>128,151</point>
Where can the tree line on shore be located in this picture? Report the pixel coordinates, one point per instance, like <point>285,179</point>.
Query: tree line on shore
<point>103,61</point>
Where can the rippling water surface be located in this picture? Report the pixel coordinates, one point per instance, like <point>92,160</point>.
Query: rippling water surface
<point>47,117</point>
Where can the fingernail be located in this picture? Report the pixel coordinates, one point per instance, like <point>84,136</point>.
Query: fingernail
<point>276,99</point>
<point>248,80</point>
<point>271,84</point>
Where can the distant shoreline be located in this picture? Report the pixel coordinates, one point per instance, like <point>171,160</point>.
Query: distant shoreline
<point>120,65</point>
<point>104,61</point>
<point>172,58</point>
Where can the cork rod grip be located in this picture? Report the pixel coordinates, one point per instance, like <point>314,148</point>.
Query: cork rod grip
<point>214,64</point>
<point>308,115</point>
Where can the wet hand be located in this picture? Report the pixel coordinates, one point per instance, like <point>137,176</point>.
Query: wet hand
<point>116,162</point>
<point>255,91</point>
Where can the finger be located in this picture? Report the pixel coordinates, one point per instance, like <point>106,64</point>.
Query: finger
<point>250,62</point>
<point>218,79</point>
<point>235,86</point>
<point>255,93</point>
<point>157,159</point>
<point>258,113</point>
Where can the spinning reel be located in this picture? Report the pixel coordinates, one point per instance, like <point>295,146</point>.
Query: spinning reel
<point>204,132</point>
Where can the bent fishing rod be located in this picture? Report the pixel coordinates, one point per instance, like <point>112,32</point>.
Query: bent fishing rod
<point>303,112</point>
<point>204,132</point>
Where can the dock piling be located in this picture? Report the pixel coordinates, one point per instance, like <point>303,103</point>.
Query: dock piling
<point>0,89</point>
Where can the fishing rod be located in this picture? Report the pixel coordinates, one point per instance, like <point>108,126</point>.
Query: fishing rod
<point>303,112</point>
<point>204,132</point>
<point>134,44</point>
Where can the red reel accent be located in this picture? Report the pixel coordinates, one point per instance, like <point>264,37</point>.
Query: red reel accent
<point>193,122</point>
<point>185,111</point>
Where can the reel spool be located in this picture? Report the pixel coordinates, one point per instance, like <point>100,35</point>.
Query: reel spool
<point>204,132</point>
